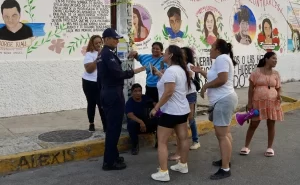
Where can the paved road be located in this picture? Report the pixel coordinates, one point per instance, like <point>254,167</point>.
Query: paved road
<point>253,169</point>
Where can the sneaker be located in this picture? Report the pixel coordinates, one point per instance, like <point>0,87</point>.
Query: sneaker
<point>219,163</point>
<point>195,146</point>
<point>161,176</point>
<point>92,127</point>
<point>221,174</point>
<point>179,167</point>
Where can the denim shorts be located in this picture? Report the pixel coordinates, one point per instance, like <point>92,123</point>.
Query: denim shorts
<point>192,98</point>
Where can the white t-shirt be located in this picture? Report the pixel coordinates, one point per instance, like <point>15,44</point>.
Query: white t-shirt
<point>89,58</point>
<point>223,63</point>
<point>193,87</point>
<point>177,104</point>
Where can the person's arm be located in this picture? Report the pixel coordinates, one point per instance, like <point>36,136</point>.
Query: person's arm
<point>90,64</point>
<point>131,116</point>
<point>250,94</point>
<point>169,90</point>
<point>278,86</point>
<point>222,68</point>
<point>115,68</point>
<point>169,84</point>
<point>199,69</point>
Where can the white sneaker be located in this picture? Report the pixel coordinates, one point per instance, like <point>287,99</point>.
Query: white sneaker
<point>161,176</point>
<point>179,167</point>
<point>195,146</point>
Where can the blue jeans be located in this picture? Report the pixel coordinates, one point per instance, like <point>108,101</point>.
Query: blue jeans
<point>192,99</point>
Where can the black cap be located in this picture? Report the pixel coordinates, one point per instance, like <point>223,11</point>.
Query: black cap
<point>109,32</point>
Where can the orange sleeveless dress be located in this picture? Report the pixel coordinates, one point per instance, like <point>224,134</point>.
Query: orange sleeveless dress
<point>265,99</point>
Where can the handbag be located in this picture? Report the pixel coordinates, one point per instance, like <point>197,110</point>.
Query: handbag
<point>196,82</point>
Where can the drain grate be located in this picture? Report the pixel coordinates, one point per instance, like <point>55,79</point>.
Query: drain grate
<point>65,136</point>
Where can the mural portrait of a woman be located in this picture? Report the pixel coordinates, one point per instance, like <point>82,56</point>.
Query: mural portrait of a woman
<point>140,31</point>
<point>267,30</point>
<point>210,28</point>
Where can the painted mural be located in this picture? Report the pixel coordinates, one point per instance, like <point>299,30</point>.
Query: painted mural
<point>28,30</point>
<point>252,26</point>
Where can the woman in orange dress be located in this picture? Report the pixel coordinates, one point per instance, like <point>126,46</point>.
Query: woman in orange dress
<point>264,95</point>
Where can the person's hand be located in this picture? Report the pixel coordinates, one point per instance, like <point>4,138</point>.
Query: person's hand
<point>153,113</point>
<point>203,90</point>
<point>155,71</point>
<point>249,107</point>
<point>132,54</point>
<point>143,127</point>
<point>196,69</point>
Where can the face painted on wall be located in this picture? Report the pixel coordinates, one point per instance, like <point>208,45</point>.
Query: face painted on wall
<point>210,23</point>
<point>135,19</point>
<point>11,17</point>
<point>267,30</point>
<point>175,23</point>
<point>244,27</point>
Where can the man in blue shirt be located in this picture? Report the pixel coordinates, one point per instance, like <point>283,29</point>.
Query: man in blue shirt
<point>111,79</point>
<point>175,21</point>
<point>137,110</point>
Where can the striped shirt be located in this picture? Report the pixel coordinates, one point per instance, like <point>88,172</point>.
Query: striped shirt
<point>145,60</point>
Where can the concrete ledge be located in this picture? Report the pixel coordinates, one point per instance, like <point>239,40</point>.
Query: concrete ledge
<point>90,149</point>
<point>288,99</point>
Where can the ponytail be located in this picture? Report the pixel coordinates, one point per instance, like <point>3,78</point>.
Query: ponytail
<point>229,45</point>
<point>262,62</point>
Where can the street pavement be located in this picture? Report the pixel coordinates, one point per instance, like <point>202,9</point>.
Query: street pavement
<point>283,169</point>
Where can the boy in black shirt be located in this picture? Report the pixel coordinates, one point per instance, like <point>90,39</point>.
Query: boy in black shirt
<point>13,29</point>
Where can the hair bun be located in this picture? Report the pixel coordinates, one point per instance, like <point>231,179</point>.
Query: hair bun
<point>229,45</point>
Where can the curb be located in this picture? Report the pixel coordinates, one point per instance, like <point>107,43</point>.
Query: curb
<point>90,149</point>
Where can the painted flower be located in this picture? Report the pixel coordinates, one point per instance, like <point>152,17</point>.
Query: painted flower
<point>83,50</point>
<point>275,32</point>
<point>57,45</point>
<point>276,40</point>
<point>211,39</point>
<point>261,38</point>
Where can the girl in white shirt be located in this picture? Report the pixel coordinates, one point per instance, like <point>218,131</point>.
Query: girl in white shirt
<point>89,81</point>
<point>172,89</point>
<point>223,100</point>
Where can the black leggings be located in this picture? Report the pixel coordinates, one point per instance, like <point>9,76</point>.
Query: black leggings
<point>92,94</point>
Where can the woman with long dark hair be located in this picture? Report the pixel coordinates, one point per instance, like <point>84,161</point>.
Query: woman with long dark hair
<point>173,86</point>
<point>210,27</point>
<point>140,30</point>
<point>223,101</point>
<point>89,81</point>
<point>188,57</point>
<point>264,95</point>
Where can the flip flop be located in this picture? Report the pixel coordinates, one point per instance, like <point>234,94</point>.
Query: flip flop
<point>244,151</point>
<point>269,152</point>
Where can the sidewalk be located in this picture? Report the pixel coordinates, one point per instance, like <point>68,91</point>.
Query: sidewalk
<point>21,134</point>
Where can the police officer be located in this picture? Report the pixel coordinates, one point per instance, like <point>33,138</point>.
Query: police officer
<point>111,77</point>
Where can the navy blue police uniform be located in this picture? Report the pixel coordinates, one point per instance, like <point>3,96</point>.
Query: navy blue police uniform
<point>111,76</point>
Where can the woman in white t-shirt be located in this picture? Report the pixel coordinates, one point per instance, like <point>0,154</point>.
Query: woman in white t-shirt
<point>188,56</point>
<point>172,89</point>
<point>89,81</point>
<point>223,100</point>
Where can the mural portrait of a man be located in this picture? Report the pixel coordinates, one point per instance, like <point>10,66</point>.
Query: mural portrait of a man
<point>243,20</point>
<point>174,15</point>
<point>13,30</point>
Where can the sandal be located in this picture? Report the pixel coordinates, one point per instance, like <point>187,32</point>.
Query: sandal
<point>174,157</point>
<point>244,151</point>
<point>269,152</point>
